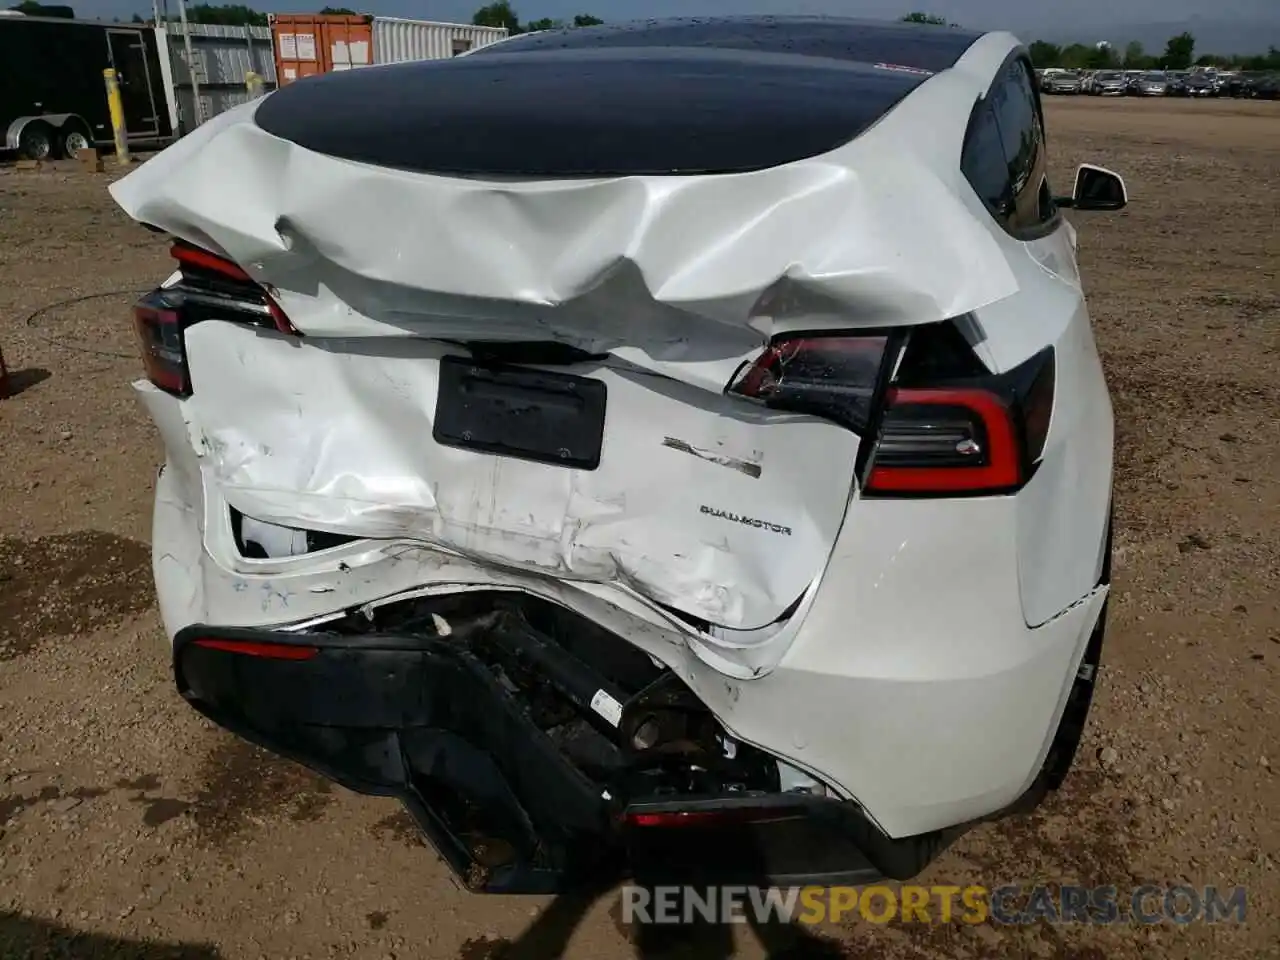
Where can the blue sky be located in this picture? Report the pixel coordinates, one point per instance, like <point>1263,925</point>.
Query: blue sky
<point>1030,18</point>
<point>980,12</point>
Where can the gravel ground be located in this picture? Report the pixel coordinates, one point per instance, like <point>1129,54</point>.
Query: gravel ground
<point>129,827</point>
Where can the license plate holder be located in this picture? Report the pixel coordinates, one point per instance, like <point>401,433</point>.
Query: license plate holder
<point>538,415</point>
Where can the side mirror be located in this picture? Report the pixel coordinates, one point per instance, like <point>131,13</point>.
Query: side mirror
<point>1097,188</point>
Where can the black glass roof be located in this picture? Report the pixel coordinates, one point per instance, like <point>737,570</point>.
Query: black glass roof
<point>683,96</point>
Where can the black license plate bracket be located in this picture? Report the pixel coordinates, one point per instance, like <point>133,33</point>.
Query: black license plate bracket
<point>539,415</point>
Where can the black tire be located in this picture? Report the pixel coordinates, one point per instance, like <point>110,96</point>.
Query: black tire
<point>72,141</point>
<point>37,142</point>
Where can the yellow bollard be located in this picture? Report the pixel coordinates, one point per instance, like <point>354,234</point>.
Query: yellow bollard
<point>253,83</point>
<point>117,116</point>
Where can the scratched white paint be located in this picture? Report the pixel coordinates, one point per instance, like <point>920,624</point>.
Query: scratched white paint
<point>308,434</point>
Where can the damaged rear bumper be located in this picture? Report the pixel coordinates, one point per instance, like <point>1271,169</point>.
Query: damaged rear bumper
<point>427,720</point>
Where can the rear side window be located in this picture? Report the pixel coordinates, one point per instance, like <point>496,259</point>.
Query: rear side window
<point>1004,154</point>
<point>985,166</point>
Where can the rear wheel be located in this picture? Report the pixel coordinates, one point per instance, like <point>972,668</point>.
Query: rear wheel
<point>36,142</point>
<point>73,141</point>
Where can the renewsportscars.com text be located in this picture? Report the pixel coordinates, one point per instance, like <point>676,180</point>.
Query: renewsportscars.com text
<point>974,904</point>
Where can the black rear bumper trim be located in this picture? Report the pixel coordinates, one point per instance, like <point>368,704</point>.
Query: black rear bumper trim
<point>424,720</point>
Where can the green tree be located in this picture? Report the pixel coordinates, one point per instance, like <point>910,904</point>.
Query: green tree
<point>1268,61</point>
<point>1045,54</point>
<point>230,15</point>
<point>1077,56</point>
<point>918,17</point>
<point>546,23</point>
<point>497,14</point>
<point>1180,51</point>
<point>338,12</point>
<point>1135,58</point>
<point>1101,57</point>
<point>33,9</point>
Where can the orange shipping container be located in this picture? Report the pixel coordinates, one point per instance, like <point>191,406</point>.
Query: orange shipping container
<point>310,43</point>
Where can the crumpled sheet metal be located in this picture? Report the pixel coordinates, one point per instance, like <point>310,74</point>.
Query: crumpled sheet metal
<point>312,435</point>
<point>877,232</point>
<point>684,277</point>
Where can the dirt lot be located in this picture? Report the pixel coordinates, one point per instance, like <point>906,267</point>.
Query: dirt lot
<point>130,827</point>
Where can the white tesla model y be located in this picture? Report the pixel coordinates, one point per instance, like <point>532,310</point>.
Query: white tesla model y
<point>676,448</point>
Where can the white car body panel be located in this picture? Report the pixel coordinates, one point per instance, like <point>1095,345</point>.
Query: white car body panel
<point>659,270</point>
<point>329,436</point>
<point>962,620</point>
<point>974,692</point>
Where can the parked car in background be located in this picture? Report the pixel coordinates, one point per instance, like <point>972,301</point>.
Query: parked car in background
<point>1108,83</point>
<point>1248,85</point>
<point>1061,81</point>
<point>1202,84</point>
<point>1176,83</point>
<point>1240,85</point>
<point>1266,87</point>
<point>1153,83</point>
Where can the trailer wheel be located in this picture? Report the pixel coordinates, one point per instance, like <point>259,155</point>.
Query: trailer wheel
<point>36,142</point>
<point>73,141</point>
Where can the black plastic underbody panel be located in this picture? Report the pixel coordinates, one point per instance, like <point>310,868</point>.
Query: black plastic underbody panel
<point>423,720</point>
<point>684,96</point>
<point>537,415</point>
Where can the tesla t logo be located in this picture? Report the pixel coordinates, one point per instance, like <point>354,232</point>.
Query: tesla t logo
<point>746,521</point>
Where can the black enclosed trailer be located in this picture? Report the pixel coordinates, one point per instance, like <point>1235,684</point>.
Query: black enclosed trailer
<point>53,99</point>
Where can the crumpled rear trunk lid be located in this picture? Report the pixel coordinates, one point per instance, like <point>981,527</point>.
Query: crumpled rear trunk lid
<point>704,503</point>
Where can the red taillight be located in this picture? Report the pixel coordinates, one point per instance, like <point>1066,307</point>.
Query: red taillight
<point>946,441</point>
<point>982,437</point>
<point>831,376</point>
<point>189,256</point>
<point>264,650</point>
<point>159,330</point>
<point>725,816</point>
<point>197,259</point>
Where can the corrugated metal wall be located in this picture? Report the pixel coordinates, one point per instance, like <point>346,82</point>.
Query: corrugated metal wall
<point>395,40</point>
<point>223,56</point>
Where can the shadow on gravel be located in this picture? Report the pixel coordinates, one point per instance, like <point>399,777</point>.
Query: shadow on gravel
<point>67,585</point>
<point>549,937</point>
<point>11,805</point>
<point>242,786</point>
<point>22,936</point>
<point>20,380</point>
<point>1046,842</point>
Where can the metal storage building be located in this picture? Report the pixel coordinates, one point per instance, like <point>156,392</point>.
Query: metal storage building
<point>222,57</point>
<point>396,40</point>
<point>309,44</point>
